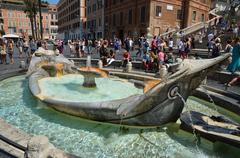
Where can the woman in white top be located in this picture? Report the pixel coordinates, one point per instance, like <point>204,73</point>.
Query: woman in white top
<point>170,44</point>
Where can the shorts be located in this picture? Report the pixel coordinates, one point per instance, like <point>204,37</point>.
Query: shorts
<point>10,54</point>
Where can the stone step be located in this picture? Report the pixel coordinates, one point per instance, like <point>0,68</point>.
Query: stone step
<point>219,99</point>
<point>219,79</point>
<point>8,151</point>
<point>229,94</point>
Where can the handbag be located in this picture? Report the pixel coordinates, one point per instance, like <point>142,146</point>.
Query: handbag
<point>3,52</point>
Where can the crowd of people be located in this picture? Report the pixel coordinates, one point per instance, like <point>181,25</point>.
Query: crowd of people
<point>154,53</point>
<point>6,49</point>
<point>25,48</point>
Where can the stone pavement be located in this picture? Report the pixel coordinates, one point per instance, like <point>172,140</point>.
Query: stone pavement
<point>6,68</point>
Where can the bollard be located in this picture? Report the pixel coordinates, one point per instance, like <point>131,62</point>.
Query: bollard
<point>129,67</point>
<point>22,64</point>
<point>100,64</point>
<point>163,72</point>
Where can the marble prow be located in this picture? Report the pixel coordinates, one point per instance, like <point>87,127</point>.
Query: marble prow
<point>189,69</point>
<point>199,65</point>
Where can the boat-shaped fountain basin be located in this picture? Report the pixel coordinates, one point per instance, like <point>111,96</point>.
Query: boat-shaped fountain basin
<point>57,82</point>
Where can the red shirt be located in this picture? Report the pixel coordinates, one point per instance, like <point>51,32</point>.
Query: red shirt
<point>126,55</point>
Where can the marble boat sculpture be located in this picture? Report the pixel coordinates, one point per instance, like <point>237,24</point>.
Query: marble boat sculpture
<point>213,128</point>
<point>159,103</point>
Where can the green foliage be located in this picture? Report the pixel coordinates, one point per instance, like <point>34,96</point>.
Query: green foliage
<point>45,2</point>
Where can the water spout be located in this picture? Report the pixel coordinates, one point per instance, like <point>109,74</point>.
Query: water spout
<point>210,98</point>
<point>88,64</point>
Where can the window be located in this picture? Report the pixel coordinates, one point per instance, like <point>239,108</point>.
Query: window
<point>179,14</point>
<point>143,14</point>
<point>158,11</point>
<point>202,18</point>
<point>99,22</point>
<point>114,20</point>
<point>94,7</point>
<point>106,3</point>
<point>106,21</point>
<point>99,4</point>
<point>194,15</point>
<point>130,16</point>
<point>121,18</point>
<point>89,10</point>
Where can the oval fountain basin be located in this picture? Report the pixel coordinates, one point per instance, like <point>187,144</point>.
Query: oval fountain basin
<point>88,139</point>
<point>69,88</point>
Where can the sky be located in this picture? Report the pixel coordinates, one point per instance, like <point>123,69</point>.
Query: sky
<point>53,1</point>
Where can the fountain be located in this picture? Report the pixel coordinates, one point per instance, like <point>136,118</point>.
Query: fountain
<point>119,100</point>
<point>90,74</point>
<point>86,138</point>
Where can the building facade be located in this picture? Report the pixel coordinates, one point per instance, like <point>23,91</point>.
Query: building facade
<point>95,19</point>
<point>15,21</point>
<point>151,17</point>
<point>72,19</point>
<point>53,21</point>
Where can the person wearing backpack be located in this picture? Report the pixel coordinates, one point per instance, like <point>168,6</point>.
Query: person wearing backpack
<point>217,47</point>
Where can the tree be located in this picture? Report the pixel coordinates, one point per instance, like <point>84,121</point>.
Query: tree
<point>40,14</point>
<point>35,9</point>
<point>30,13</point>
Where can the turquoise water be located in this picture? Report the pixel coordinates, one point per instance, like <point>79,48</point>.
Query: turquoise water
<point>69,88</point>
<point>94,140</point>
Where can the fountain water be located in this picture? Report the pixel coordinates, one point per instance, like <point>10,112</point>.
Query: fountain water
<point>191,120</point>
<point>93,139</point>
<point>210,98</point>
<point>89,64</point>
<point>90,74</point>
